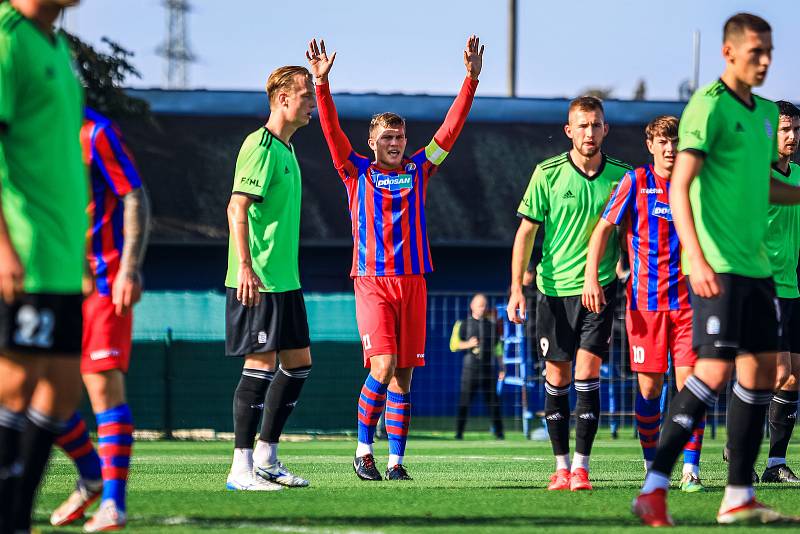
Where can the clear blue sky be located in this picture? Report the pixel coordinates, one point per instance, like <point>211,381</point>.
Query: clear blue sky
<point>414,46</point>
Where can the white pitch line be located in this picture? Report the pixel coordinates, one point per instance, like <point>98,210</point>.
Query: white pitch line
<point>184,521</point>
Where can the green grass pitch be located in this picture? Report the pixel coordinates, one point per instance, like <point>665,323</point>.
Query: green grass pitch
<point>476,485</point>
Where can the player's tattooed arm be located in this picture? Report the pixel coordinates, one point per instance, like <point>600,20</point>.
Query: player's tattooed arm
<point>783,193</point>
<point>520,257</point>
<point>593,297</point>
<point>703,279</point>
<point>127,288</point>
<point>248,281</point>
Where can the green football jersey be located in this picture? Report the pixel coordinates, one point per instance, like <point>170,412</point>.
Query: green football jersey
<point>267,171</point>
<point>730,196</point>
<point>783,238</point>
<point>43,180</point>
<point>568,204</point>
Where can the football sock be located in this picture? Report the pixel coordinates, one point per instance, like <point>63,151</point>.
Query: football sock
<point>691,452</point>
<point>580,461</point>
<point>248,405</point>
<point>265,453</point>
<point>782,417</point>
<point>281,399</point>
<point>11,426</point>
<point>587,414</point>
<point>737,496</point>
<point>398,417</point>
<point>653,481</point>
<point>35,444</point>
<point>76,443</point>
<point>562,461</point>
<point>242,461</point>
<point>114,443</point>
<point>371,403</point>
<point>648,424</point>
<point>556,415</point>
<point>687,408</point>
<point>746,412</point>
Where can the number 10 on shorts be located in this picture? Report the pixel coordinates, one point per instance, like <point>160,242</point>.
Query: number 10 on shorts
<point>638,354</point>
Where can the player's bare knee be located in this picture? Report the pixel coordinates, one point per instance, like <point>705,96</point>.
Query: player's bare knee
<point>382,368</point>
<point>559,374</point>
<point>792,382</point>
<point>401,380</point>
<point>265,360</point>
<point>292,359</point>
<point>650,385</point>
<point>106,389</point>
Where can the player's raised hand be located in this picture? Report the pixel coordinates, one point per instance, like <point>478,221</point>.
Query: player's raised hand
<point>473,56</point>
<point>319,62</point>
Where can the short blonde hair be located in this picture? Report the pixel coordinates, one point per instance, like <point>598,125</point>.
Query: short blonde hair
<point>387,120</point>
<point>663,125</point>
<point>282,79</point>
<point>587,103</point>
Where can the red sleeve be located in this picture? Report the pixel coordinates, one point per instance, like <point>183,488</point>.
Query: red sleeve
<point>457,115</point>
<point>340,148</point>
<point>623,197</point>
<point>115,161</point>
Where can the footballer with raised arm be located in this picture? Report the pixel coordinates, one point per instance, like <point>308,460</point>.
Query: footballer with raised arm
<point>386,196</point>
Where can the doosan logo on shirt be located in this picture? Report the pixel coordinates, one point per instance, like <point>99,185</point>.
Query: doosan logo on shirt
<point>392,182</point>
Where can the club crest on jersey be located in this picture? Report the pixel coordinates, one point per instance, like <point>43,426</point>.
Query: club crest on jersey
<point>411,167</point>
<point>662,211</point>
<point>392,182</point>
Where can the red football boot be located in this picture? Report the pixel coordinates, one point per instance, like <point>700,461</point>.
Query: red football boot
<point>652,509</point>
<point>579,480</point>
<point>559,480</point>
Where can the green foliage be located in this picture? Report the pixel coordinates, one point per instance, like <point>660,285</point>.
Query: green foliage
<point>103,75</point>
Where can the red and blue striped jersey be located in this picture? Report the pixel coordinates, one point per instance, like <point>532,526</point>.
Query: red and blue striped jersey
<point>387,206</point>
<point>112,175</point>
<point>641,202</point>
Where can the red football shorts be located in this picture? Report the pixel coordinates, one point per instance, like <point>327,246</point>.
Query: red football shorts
<point>391,312</point>
<point>106,336</point>
<point>652,335</point>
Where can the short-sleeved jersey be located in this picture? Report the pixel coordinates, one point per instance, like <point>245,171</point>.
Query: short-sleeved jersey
<point>267,172</point>
<point>783,238</point>
<point>568,204</point>
<point>387,207</point>
<point>43,182</point>
<point>640,204</point>
<point>112,175</point>
<point>730,196</point>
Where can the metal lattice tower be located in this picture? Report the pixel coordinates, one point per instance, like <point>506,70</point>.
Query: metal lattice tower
<point>176,49</point>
